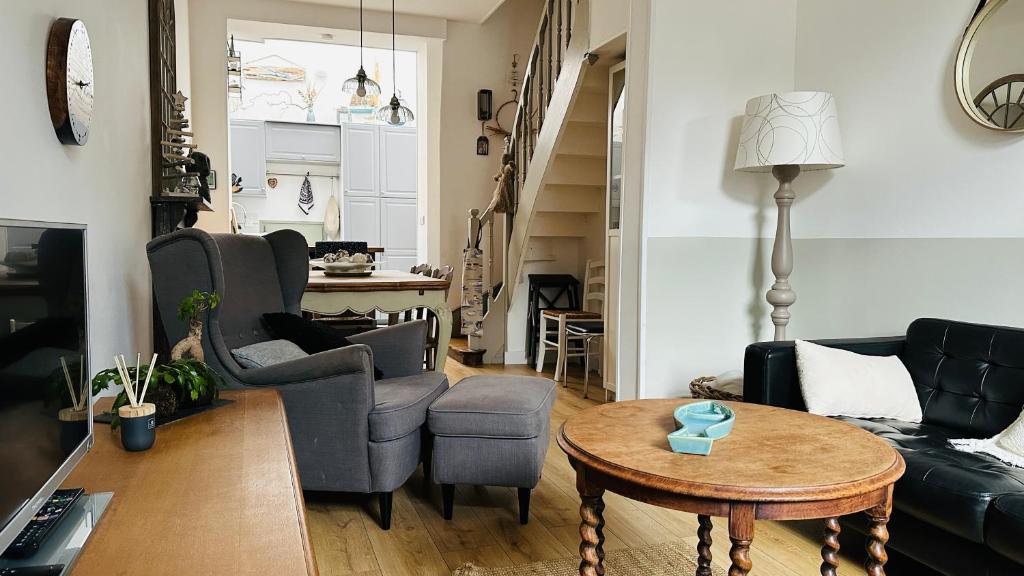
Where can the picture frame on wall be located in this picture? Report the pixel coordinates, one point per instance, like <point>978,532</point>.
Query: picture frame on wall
<point>211,180</point>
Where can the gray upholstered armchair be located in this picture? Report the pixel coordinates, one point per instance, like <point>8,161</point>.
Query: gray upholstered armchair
<point>350,433</point>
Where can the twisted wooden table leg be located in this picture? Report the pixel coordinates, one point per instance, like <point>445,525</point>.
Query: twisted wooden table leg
<point>830,551</point>
<point>878,535</point>
<point>592,534</point>
<point>741,533</point>
<point>704,546</point>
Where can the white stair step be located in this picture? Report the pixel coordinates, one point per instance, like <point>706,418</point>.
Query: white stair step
<point>590,106</point>
<point>584,140</point>
<point>577,170</point>
<point>596,79</point>
<point>539,250</point>
<point>576,199</point>
<point>559,225</point>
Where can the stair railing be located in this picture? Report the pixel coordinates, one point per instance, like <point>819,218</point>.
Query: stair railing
<point>542,70</point>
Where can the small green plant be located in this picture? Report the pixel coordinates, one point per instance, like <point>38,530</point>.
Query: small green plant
<point>191,381</point>
<point>192,307</point>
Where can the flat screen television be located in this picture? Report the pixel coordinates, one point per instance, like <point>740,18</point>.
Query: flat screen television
<point>43,328</point>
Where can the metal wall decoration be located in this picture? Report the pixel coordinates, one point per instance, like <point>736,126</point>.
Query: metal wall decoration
<point>484,104</point>
<point>483,143</point>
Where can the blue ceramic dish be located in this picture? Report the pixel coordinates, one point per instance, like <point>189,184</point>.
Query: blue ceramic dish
<point>700,424</point>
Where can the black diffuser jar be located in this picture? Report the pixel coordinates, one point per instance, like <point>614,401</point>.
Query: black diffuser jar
<point>138,427</point>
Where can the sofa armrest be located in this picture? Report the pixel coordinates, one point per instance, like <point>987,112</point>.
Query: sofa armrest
<point>328,398</point>
<point>769,368</point>
<point>398,349</point>
<point>350,360</point>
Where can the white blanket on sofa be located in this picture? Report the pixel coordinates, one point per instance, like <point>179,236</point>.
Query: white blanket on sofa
<point>1007,446</point>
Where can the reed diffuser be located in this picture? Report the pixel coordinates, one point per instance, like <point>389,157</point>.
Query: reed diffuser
<point>138,418</point>
<point>74,420</point>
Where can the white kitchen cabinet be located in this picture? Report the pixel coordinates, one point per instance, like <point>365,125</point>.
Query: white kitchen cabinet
<point>398,174</point>
<point>380,191</point>
<point>295,142</point>
<point>359,142</point>
<point>361,217</point>
<point>401,261</point>
<point>248,156</point>
<point>398,223</point>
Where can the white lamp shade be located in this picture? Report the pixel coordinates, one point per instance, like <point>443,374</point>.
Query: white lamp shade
<point>790,129</point>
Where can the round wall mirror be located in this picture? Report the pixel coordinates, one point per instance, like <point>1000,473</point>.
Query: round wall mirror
<point>989,71</point>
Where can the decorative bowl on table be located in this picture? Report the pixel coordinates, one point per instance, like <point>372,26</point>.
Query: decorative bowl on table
<point>348,268</point>
<point>699,425</point>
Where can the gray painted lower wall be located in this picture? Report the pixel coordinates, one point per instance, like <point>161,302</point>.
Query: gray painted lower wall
<point>705,296</point>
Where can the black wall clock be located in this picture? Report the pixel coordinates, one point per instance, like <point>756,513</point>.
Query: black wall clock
<point>69,80</point>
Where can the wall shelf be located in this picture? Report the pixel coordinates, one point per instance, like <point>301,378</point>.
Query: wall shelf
<point>201,205</point>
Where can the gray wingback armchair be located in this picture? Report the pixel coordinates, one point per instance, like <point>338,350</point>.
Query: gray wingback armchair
<point>349,432</point>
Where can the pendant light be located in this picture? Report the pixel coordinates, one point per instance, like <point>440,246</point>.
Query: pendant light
<point>360,85</point>
<point>394,113</point>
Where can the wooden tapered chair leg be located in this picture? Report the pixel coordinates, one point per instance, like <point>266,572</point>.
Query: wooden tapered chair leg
<point>524,505</point>
<point>447,500</point>
<point>385,500</point>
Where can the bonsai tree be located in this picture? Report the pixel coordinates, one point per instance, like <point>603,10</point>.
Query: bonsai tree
<point>191,311</point>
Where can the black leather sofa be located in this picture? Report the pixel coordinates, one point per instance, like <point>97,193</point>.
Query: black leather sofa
<point>955,512</point>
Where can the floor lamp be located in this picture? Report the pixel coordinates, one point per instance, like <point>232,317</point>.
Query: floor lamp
<point>784,134</point>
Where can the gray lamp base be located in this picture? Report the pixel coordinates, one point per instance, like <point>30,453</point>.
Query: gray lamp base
<point>781,296</point>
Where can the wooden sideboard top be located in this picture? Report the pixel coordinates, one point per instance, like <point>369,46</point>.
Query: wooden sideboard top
<point>217,494</point>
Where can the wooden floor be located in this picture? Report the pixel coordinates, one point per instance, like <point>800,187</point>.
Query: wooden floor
<point>485,529</point>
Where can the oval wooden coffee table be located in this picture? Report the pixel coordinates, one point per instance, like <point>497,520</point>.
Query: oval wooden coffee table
<point>776,464</point>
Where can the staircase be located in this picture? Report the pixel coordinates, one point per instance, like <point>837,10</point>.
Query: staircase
<point>558,147</point>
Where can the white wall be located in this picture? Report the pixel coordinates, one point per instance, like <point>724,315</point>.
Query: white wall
<point>938,174</point>
<point>923,220</point>
<point>105,184</point>
<point>608,19</point>
<point>703,67</point>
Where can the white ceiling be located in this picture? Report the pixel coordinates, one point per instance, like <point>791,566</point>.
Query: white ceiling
<point>464,10</point>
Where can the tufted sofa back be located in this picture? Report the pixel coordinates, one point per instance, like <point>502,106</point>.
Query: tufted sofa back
<point>969,377</point>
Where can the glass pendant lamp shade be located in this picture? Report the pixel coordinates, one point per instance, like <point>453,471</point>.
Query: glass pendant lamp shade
<point>394,112</point>
<point>360,85</point>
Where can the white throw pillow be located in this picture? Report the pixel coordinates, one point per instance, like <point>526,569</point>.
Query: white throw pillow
<point>1007,446</point>
<point>841,383</point>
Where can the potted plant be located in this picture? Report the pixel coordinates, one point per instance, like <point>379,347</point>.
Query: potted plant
<point>191,311</point>
<point>182,383</point>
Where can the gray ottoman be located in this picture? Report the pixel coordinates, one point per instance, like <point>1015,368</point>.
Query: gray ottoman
<point>491,431</point>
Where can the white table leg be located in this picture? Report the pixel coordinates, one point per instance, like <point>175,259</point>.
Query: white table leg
<point>541,346</point>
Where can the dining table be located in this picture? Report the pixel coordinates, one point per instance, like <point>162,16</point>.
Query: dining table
<point>387,291</point>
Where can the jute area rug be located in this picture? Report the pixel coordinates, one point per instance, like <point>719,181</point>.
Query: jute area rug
<point>668,559</point>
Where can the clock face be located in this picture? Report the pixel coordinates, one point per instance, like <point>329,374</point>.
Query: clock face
<point>79,82</point>
<point>69,80</point>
